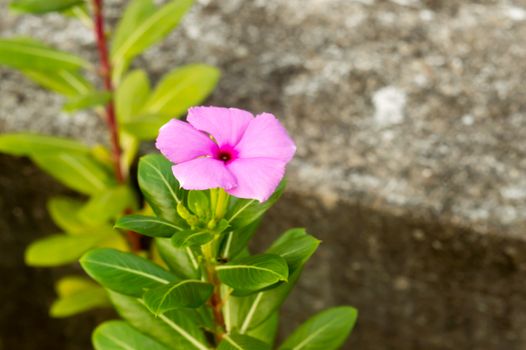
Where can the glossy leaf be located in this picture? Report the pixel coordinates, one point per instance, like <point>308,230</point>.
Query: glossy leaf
<point>147,225</point>
<point>59,249</point>
<point>177,329</point>
<point>25,144</point>
<point>241,342</point>
<point>141,28</point>
<point>266,331</point>
<point>119,335</point>
<point>187,293</point>
<point>131,94</point>
<point>254,272</point>
<point>325,331</point>
<point>159,187</point>
<point>33,55</point>
<point>124,272</point>
<point>107,205</point>
<point>88,100</point>
<point>40,6</point>
<point>182,88</point>
<point>181,261</point>
<point>67,83</point>
<point>79,172</point>
<point>190,238</point>
<point>247,313</point>
<point>64,212</point>
<point>81,296</point>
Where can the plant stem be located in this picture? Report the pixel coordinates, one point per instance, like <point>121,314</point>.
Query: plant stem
<point>111,118</point>
<point>105,71</point>
<point>215,300</point>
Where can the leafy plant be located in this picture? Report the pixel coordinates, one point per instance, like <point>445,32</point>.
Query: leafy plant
<point>196,293</point>
<point>133,111</point>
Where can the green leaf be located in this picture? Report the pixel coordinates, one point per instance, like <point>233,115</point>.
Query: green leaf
<point>147,225</point>
<point>82,299</point>
<point>295,246</point>
<point>64,82</point>
<point>199,203</point>
<point>24,144</point>
<point>132,93</point>
<point>88,100</point>
<point>182,88</point>
<point>244,216</point>
<point>145,127</point>
<point>177,329</point>
<point>64,212</point>
<point>254,272</point>
<point>159,187</point>
<point>241,342</point>
<point>189,238</point>
<point>246,313</point>
<point>187,293</point>
<point>181,261</point>
<point>33,55</point>
<point>141,28</point>
<point>124,273</point>
<point>119,335</point>
<point>77,171</point>
<point>266,331</point>
<point>107,205</point>
<point>325,331</point>
<point>59,249</point>
<point>40,7</point>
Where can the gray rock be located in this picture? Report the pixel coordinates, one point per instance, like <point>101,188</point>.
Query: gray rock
<point>410,123</point>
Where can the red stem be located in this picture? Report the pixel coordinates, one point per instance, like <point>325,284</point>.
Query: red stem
<point>105,71</point>
<point>111,119</point>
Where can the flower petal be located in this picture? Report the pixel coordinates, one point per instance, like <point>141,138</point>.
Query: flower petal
<point>265,137</point>
<point>257,178</point>
<point>180,142</point>
<point>226,125</point>
<point>203,173</point>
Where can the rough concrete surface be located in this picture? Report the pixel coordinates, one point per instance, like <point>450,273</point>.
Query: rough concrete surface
<point>410,121</point>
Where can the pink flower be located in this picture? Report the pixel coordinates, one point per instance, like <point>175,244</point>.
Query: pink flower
<point>227,148</point>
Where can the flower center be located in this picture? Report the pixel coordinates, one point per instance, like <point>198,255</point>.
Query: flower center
<point>226,154</point>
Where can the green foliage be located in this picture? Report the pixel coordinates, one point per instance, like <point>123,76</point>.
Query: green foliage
<point>79,172</point>
<point>24,144</point>
<point>124,273</point>
<point>142,26</point>
<point>77,295</point>
<point>23,53</point>
<point>324,331</point>
<point>253,273</point>
<point>242,342</point>
<point>88,100</point>
<point>159,187</point>
<point>188,293</point>
<point>119,335</point>
<point>147,225</point>
<point>40,7</point>
<point>182,88</point>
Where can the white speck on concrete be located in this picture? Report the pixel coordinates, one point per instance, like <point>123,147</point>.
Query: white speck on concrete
<point>468,120</point>
<point>515,13</point>
<point>389,103</point>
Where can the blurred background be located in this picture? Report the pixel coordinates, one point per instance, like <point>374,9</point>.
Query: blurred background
<point>410,121</point>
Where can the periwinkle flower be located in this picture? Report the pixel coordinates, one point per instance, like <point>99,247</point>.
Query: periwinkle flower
<point>227,148</point>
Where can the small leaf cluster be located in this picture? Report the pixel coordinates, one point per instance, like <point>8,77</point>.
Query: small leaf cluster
<point>86,220</point>
<point>204,289</point>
